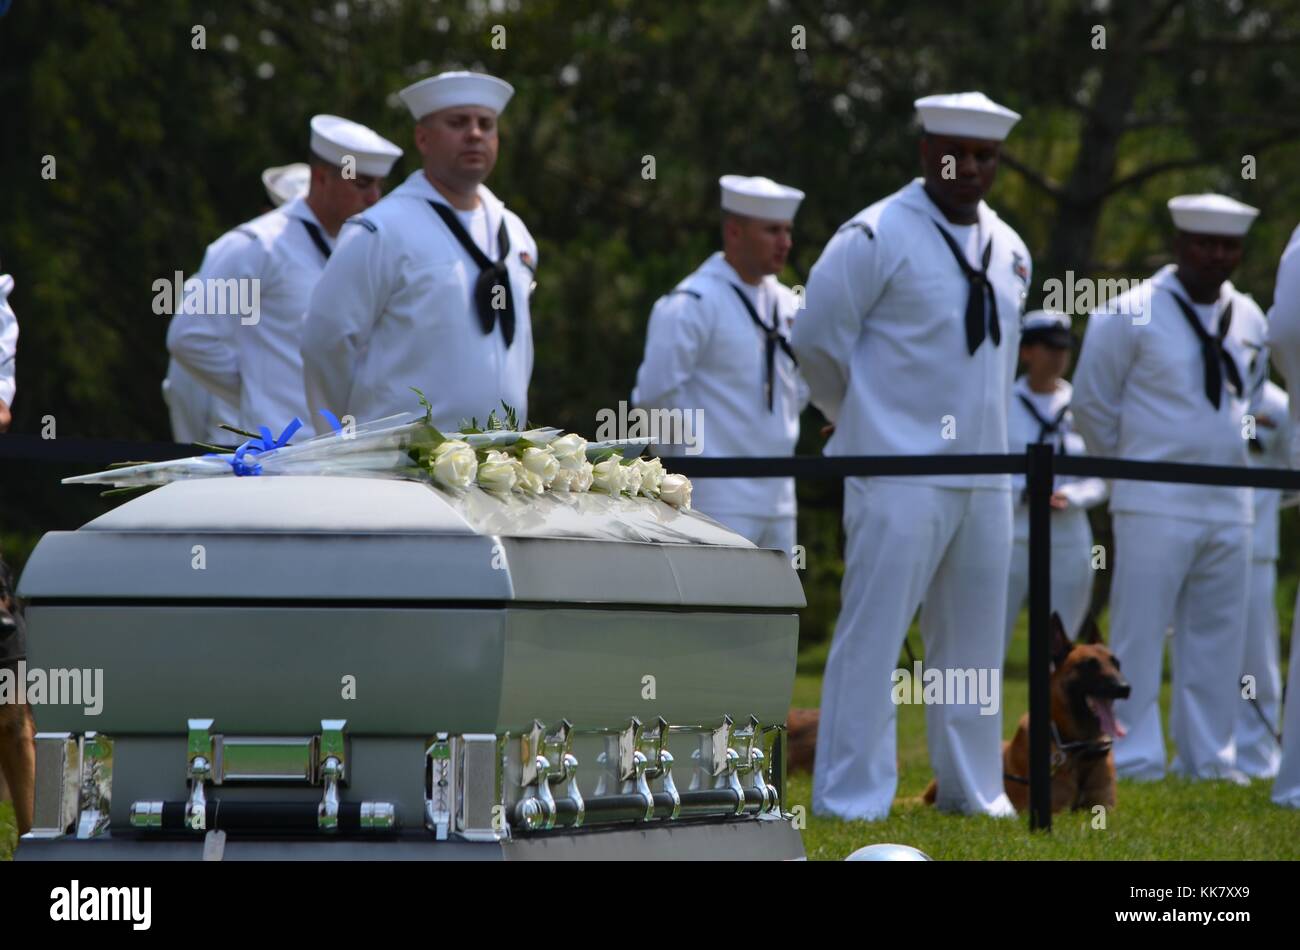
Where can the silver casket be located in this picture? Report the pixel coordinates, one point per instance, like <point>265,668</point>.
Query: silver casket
<point>329,667</point>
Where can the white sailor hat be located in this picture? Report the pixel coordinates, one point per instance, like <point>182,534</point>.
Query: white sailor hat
<point>1211,214</point>
<point>966,114</point>
<point>759,198</point>
<point>283,183</point>
<point>456,89</point>
<point>333,139</point>
<point>1046,326</point>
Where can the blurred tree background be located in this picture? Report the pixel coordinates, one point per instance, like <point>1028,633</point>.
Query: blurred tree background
<point>157,148</point>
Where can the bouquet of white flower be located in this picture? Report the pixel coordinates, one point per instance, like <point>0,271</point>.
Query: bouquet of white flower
<point>502,458</point>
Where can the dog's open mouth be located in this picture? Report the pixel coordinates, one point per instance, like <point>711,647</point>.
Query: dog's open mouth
<point>1104,709</point>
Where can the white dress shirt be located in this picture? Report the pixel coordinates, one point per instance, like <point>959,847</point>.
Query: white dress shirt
<point>395,309</point>
<point>258,364</point>
<point>1022,430</point>
<point>703,351</point>
<point>1139,393</point>
<point>883,342</point>
<point>8,342</point>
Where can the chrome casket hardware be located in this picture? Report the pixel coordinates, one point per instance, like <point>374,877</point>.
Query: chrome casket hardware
<point>438,792</point>
<point>726,764</point>
<point>329,816</point>
<point>560,744</point>
<point>536,810</point>
<point>333,770</point>
<point>752,761</point>
<point>96,785</point>
<point>548,759</point>
<point>632,764</point>
<point>660,763</point>
<point>199,770</point>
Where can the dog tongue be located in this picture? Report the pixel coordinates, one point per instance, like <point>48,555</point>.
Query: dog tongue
<point>1102,710</point>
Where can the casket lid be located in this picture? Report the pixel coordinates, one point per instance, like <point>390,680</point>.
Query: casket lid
<point>296,538</point>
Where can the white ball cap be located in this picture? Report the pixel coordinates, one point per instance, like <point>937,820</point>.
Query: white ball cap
<point>335,139</point>
<point>759,198</point>
<point>970,115</point>
<point>283,183</point>
<point>456,89</point>
<point>1212,214</point>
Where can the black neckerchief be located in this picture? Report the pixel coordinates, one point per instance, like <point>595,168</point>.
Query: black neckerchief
<point>1046,426</point>
<point>1217,359</point>
<point>313,231</point>
<point>772,339</point>
<point>491,274</point>
<point>979,288</point>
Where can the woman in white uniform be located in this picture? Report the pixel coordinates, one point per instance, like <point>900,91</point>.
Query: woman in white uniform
<point>1040,412</point>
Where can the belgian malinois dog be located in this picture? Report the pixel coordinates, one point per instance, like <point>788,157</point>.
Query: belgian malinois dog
<point>1085,682</point>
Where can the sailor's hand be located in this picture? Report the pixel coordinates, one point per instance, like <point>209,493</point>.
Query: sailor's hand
<point>1059,501</point>
<point>5,417</point>
<point>828,430</point>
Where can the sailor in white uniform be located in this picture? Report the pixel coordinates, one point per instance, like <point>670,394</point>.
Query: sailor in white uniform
<point>908,344</point>
<point>1164,377</point>
<point>254,360</point>
<point>197,412</point>
<point>718,344</point>
<point>1284,351</point>
<point>1040,412</point>
<point>429,289</point>
<point>1258,752</point>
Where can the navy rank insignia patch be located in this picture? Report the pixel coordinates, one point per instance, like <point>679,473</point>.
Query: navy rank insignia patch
<point>1020,266</point>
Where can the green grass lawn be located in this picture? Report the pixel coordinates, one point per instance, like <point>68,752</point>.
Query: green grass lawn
<point>8,831</point>
<point>1168,820</point>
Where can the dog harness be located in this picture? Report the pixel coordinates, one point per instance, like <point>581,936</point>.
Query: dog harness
<point>1085,748</point>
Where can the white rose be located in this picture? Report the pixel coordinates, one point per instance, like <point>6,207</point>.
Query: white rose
<point>632,477</point>
<point>454,464</point>
<point>527,481</point>
<point>570,451</point>
<point>652,477</point>
<point>580,479</point>
<point>676,491</point>
<point>541,463</point>
<point>563,480</point>
<point>607,476</point>
<point>497,472</point>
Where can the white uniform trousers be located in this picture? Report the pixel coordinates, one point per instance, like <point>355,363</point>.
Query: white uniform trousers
<point>1286,787</point>
<point>764,532</point>
<point>1258,753</point>
<point>1197,572</point>
<point>907,544</point>
<point>1071,576</point>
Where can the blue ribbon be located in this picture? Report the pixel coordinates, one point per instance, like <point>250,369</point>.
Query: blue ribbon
<point>257,446</point>
<point>333,420</point>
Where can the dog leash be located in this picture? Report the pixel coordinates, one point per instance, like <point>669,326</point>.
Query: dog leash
<point>1264,719</point>
<point>1063,750</point>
